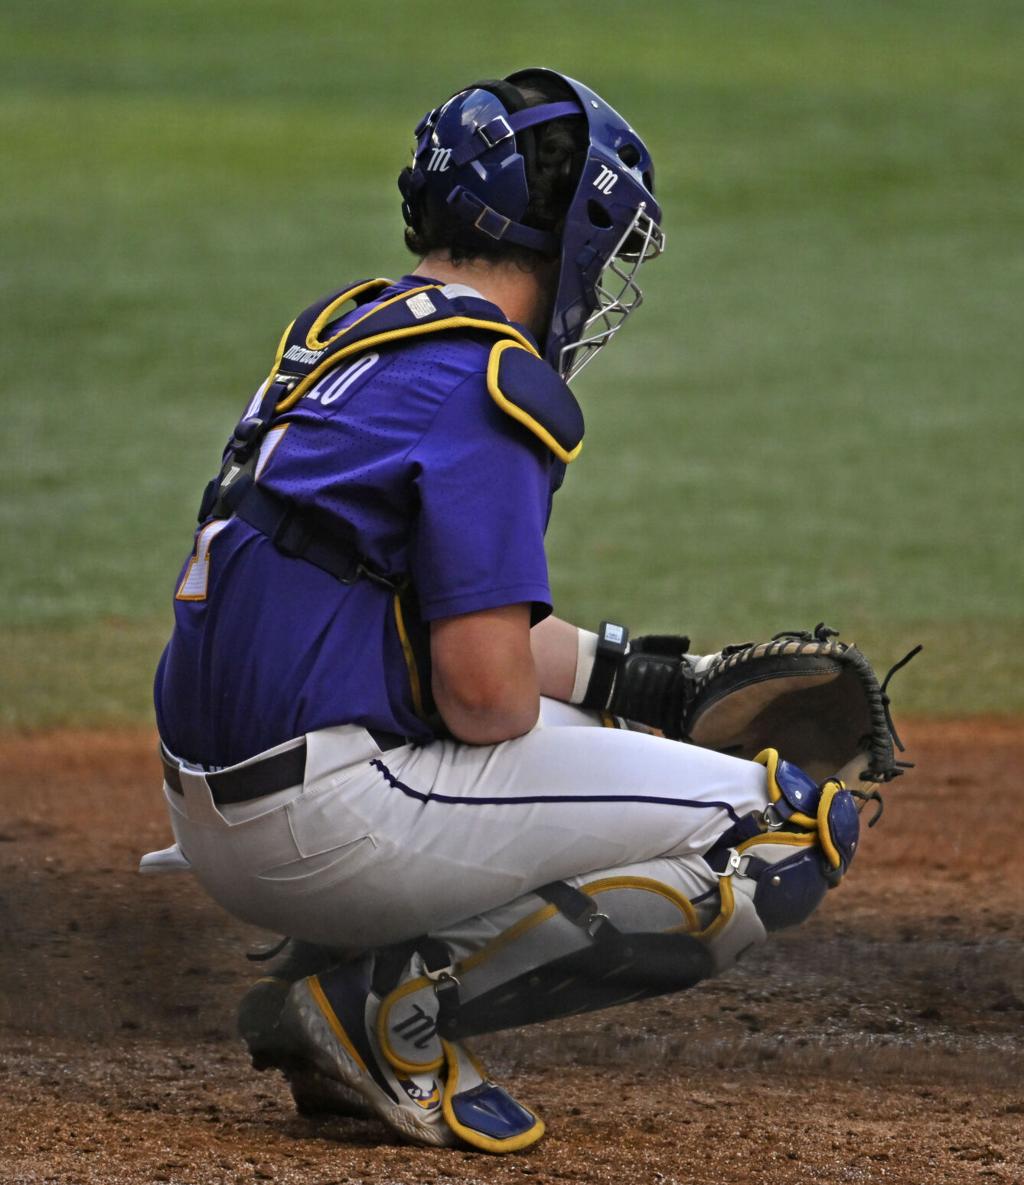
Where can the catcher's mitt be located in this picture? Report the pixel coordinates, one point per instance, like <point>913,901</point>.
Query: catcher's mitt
<point>813,698</point>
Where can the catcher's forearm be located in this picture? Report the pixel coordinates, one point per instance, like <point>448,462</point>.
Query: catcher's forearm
<point>555,645</point>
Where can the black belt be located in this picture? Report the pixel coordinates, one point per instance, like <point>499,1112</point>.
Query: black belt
<point>278,772</point>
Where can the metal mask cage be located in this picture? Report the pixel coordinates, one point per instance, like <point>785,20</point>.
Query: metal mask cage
<point>616,292</point>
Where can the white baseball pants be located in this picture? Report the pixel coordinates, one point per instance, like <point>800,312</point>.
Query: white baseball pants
<point>378,847</point>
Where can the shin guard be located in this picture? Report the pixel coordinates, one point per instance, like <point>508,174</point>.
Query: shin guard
<point>621,938</point>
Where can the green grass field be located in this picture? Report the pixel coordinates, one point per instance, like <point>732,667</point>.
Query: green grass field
<point>817,415</point>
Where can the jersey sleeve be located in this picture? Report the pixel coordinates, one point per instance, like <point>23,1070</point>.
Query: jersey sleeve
<point>484,494</point>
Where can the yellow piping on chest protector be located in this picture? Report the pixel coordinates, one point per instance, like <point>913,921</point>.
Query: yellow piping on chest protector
<point>328,314</point>
<point>278,357</point>
<point>392,335</point>
<point>410,658</point>
<point>517,413</point>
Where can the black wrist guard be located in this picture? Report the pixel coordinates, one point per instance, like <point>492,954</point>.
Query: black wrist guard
<point>649,681</point>
<point>612,648</point>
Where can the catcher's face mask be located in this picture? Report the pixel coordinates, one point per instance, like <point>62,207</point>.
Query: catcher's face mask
<point>615,293</point>
<point>612,227</point>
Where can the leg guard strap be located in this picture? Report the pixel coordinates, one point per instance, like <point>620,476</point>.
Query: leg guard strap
<point>580,909</point>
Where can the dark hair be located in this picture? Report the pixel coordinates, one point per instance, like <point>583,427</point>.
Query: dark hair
<point>552,172</point>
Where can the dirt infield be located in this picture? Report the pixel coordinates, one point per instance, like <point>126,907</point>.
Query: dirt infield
<point>883,1041</point>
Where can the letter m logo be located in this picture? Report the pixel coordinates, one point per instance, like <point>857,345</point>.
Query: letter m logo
<point>418,1028</point>
<point>606,180</point>
<point>439,158</point>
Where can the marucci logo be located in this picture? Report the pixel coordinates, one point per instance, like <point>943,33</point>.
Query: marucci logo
<point>439,160</point>
<point>301,354</point>
<point>418,1029</point>
<point>606,180</point>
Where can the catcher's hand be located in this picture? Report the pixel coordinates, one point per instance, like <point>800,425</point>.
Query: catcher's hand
<point>813,698</point>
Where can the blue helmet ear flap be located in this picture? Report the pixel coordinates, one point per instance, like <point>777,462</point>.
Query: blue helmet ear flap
<point>435,161</point>
<point>513,101</point>
<point>502,89</point>
<point>473,167</point>
<point>410,183</point>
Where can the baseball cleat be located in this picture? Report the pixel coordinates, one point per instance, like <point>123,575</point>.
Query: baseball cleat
<point>259,1012</point>
<point>331,1019</point>
<point>316,1094</point>
<point>271,1048</point>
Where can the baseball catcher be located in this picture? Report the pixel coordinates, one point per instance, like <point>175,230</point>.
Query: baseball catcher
<point>377,739</point>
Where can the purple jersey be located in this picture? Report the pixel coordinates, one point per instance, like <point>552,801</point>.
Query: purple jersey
<point>404,447</point>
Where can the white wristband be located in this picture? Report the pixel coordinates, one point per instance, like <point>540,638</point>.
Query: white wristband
<point>586,652</point>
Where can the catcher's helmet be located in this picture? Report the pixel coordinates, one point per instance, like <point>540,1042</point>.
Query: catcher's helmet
<point>473,162</point>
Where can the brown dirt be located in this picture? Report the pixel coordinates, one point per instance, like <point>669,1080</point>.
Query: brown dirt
<point>883,1041</point>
